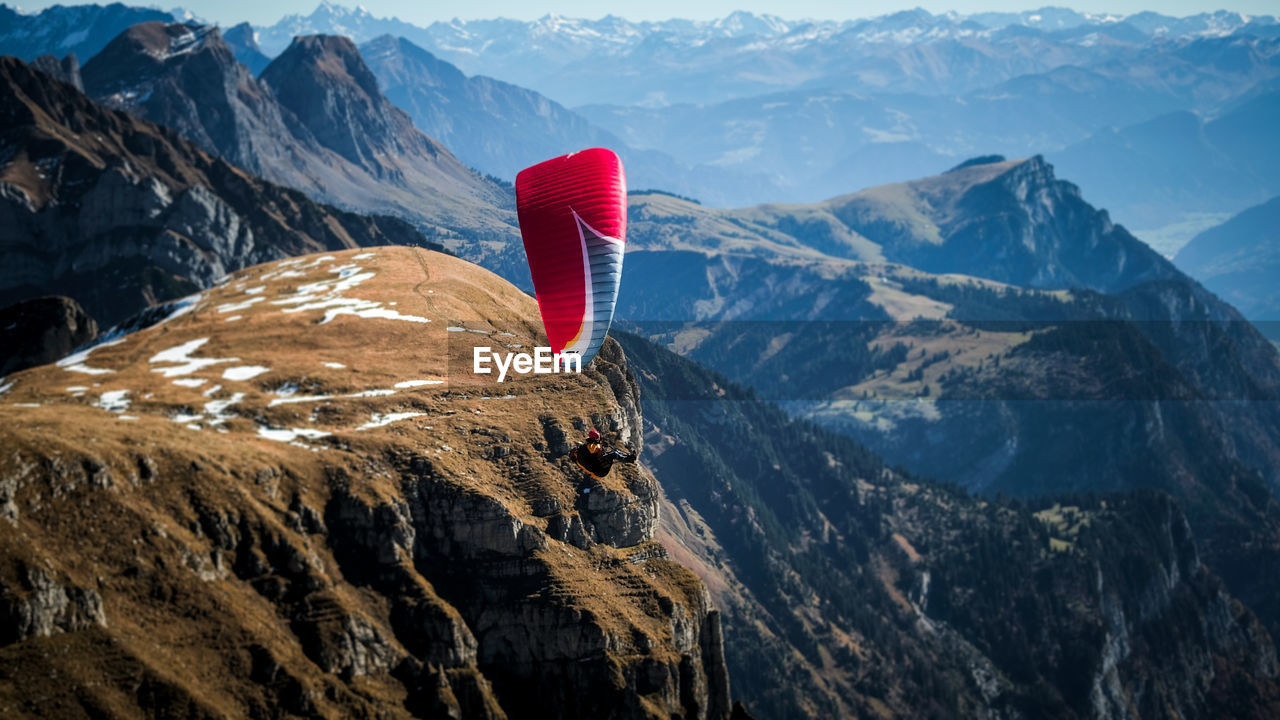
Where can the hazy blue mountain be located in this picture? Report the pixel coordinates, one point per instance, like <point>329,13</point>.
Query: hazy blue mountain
<point>1155,172</point>
<point>825,143</point>
<point>62,29</point>
<point>499,128</point>
<point>1240,261</point>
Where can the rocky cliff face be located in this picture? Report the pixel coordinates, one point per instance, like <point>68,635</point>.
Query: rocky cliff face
<point>119,213</point>
<point>328,514</point>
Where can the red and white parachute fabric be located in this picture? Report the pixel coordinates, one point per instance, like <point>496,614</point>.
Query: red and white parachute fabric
<point>573,217</point>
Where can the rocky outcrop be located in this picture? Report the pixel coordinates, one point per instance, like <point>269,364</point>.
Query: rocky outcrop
<point>42,604</point>
<point>41,331</point>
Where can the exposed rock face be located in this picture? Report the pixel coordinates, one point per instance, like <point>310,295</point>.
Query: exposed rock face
<point>39,606</point>
<point>186,78</point>
<point>359,540</point>
<point>119,214</point>
<point>35,332</point>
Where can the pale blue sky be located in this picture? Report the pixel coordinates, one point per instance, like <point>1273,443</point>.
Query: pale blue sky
<point>230,12</point>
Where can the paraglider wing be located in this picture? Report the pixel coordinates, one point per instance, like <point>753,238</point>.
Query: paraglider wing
<point>573,218</point>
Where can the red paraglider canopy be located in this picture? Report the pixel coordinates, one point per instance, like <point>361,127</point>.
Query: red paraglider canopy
<point>573,217</point>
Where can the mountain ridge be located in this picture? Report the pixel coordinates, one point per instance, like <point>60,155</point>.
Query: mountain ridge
<point>120,213</point>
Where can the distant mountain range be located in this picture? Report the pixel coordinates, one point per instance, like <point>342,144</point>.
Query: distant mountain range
<point>748,108</point>
<point>500,128</point>
<point>616,61</point>
<point>801,111</point>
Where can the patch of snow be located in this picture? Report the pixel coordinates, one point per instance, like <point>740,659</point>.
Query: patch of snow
<point>72,388</point>
<point>184,418</point>
<point>372,312</point>
<point>232,307</point>
<point>126,417</point>
<point>255,290</point>
<point>212,390</point>
<point>363,256</point>
<point>380,420</point>
<point>328,295</point>
<point>180,307</point>
<point>186,382</point>
<point>290,434</point>
<point>456,329</point>
<point>185,363</point>
<point>75,362</point>
<point>317,262</point>
<point>417,383</point>
<point>299,399</point>
<point>217,408</point>
<point>26,405</point>
<point>234,318</point>
<point>5,388</point>
<point>334,365</point>
<point>244,372</point>
<point>289,398</point>
<point>113,401</point>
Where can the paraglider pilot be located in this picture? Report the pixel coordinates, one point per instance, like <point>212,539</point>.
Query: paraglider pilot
<point>597,458</point>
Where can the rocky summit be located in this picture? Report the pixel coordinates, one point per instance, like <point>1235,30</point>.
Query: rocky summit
<point>289,495</point>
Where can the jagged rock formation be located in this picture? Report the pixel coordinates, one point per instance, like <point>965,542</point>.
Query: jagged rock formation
<point>119,213</point>
<point>40,331</point>
<point>67,69</point>
<point>324,512</point>
<point>314,120</point>
<point>850,590</point>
